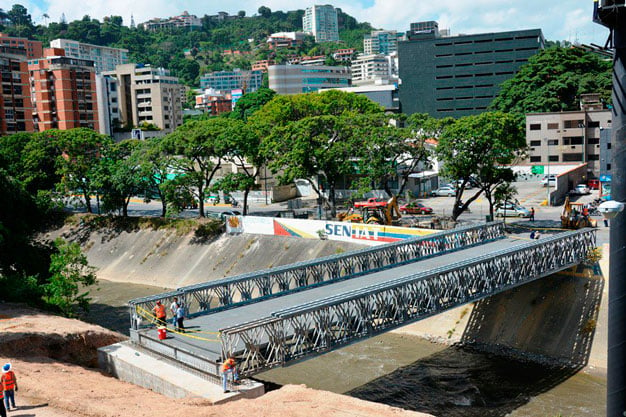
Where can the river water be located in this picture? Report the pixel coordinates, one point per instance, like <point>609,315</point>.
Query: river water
<point>408,372</point>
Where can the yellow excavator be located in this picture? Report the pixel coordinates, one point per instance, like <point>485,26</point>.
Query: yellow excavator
<point>388,215</point>
<point>575,216</point>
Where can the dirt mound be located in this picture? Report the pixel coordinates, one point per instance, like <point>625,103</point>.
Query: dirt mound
<point>47,353</point>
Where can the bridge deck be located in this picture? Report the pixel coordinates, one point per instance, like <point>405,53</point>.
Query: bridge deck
<point>243,314</point>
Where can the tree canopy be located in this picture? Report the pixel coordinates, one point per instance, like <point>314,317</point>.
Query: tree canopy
<point>553,81</point>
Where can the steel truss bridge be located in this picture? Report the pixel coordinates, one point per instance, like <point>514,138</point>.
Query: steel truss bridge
<point>275,317</point>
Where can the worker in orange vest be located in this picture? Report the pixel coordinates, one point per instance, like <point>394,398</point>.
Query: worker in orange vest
<point>8,382</point>
<point>3,411</point>
<point>160,313</point>
<point>229,367</point>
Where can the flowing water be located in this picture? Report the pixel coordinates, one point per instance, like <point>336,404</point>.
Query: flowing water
<point>411,373</point>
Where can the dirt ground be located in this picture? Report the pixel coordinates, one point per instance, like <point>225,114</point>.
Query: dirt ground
<point>54,360</point>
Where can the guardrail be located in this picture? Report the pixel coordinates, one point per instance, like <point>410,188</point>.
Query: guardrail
<point>322,325</point>
<point>255,286</point>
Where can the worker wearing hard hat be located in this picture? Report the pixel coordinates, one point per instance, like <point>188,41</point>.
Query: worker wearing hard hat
<point>160,313</point>
<point>229,367</point>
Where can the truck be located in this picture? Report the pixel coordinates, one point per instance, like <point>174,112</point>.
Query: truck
<point>372,202</point>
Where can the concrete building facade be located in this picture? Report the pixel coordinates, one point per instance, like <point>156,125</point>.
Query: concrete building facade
<point>104,57</point>
<point>109,118</point>
<point>321,22</point>
<point>373,69</point>
<point>34,49</point>
<point>147,95</point>
<point>381,42</point>
<point>297,79</point>
<point>16,110</point>
<point>184,21</point>
<point>459,75</point>
<point>249,81</point>
<point>567,137</point>
<point>63,92</point>
<point>385,95</point>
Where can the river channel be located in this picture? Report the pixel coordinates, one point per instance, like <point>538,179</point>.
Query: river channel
<point>409,372</point>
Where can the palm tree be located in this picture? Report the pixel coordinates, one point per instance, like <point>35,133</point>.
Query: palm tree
<point>45,18</point>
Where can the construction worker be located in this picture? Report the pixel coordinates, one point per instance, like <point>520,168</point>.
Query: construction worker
<point>173,307</point>
<point>8,382</point>
<point>229,367</point>
<point>3,411</point>
<point>160,313</point>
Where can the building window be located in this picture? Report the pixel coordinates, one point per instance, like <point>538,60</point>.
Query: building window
<point>553,126</point>
<point>553,142</point>
<point>593,141</point>
<point>535,126</point>
<point>608,146</point>
<point>570,124</point>
<point>572,157</point>
<point>608,167</point>
<point>573,140</point>
<point>535,143</point>
<point>594,157</point>
<point>553,158</point>
<point>535,159</point>
<point>593,124</point>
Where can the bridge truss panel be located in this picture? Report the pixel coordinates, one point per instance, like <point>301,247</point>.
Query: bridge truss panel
<point>323,325</point>
<point>217,295</point>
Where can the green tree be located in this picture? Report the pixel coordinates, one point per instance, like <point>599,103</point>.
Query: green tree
<point>70,274</point>
<point>251,102</point>
<point>82,149</point>
<point>479,148</point>
<point>200,145</point>
<point>553,81</point>
<point>155,164</point>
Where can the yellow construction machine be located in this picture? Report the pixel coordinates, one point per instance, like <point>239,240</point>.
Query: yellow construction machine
<point>575,216</point>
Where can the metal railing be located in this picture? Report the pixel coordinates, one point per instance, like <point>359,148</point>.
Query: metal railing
<point>255,286</point>
<point>319,326</point>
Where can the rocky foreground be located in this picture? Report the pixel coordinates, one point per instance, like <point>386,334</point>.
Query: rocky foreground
<point>55,358</point>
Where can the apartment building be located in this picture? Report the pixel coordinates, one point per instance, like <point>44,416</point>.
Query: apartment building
<point>374,69</point>
<point>381,42</point>
<point>569,137</point>
<point>105,58</point>
<point>249,81</point>
<point>296,79</point>
<point>184,21</point>
<point>63,92</point>
<point>34,49</point>
<point>285,39</point>
<point>107,93</point>
<point>146,95</point>
<point>16,110</point>
<point>321,22</point>
<point>214,102</point>
<point>459,75</point>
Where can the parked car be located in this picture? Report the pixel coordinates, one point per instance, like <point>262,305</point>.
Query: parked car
<point>443,192</point>
<point>512,210</point>
<point>415,208</point>
<point>228,213</point>
<point>551,179</point>
<point>580,189</point>
<point>594,184</point>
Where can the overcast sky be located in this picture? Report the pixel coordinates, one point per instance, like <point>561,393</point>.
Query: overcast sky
<point>559,19</point>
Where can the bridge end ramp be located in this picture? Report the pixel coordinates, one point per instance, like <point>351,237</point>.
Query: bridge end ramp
<point>129,363</point>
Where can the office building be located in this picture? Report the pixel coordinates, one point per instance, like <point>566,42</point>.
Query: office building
<point>147,95</point>
<point>459,75</point>
<point>105,58</point>
<point>108,104</point>
<point>249,81</point>
<point>34,49</point>
<point>571,137</point>
<point>321,22</point>
<point>296,79</point>
<point>381,42</point>
<point>63,92</point>
<point>16,110</point>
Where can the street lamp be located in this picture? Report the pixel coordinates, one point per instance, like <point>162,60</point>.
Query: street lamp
<point>612,14</point>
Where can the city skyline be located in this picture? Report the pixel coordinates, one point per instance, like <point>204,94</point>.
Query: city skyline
<point>480,16</point>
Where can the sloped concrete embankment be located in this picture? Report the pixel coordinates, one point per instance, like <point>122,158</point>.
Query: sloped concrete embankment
<point>167,259</point>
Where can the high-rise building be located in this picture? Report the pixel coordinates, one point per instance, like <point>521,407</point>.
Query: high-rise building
<point>249,81</point>
<point>146,95</point>
<point>104,57</point>
<point>107,89</point>
<point>63,92</point>
<point>296,79</point>
<point>374,69</point>
<point>34,49</point>
<point>460,75</point>
<point>321,22</point>
<point>381,42</point>
<point>16,110</point>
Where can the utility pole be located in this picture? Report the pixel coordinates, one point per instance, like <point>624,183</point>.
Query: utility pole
<point>548,173</point>
<point>612,14</point>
